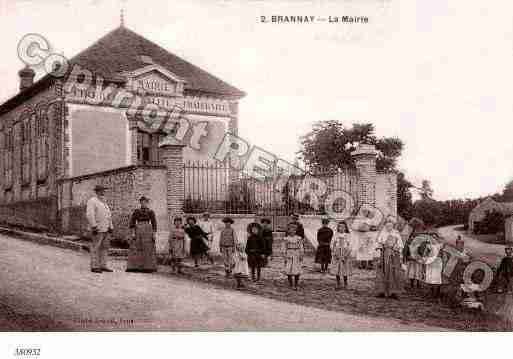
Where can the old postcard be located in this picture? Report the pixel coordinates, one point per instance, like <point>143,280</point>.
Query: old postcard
<point>252,166</point>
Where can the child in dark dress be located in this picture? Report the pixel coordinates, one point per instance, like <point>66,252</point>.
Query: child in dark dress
<point>505,270</point>
<point>267,235</point>
<point>255,248</point>
<point>198,241</point>
<point>323,253</point>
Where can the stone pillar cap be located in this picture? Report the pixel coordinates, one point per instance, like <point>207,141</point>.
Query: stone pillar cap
<point>365,149</point>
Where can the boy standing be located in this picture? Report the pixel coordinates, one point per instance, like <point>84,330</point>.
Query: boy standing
<point>227,241</point>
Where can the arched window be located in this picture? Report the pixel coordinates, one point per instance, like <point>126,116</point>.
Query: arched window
<point>42,143</point>
<point>25,141</point>
<point>8,154</point>
<point>17,152</point>
<point>147,147</point>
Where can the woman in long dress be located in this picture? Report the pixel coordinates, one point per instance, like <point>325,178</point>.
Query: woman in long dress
<point>388,268</point>
<point>142,255</point>
<point>177,251</point>
<point>293,251</point>
<point>342,260</point>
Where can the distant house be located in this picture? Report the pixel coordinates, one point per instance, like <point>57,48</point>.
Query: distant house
<point>489,204</point>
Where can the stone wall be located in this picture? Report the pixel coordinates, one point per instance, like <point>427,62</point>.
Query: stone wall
<point>32,199</point>
<point>125,186</point>
<point>44,104</point>
<point>37,214</point>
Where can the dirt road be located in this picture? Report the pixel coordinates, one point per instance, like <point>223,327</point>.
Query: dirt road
<point>48,288</point>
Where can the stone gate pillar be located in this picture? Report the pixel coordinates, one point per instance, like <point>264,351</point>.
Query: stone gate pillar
<point>132,128</point>
<point>365,161</point>
<point>172,158</point>
<point>233,128</point>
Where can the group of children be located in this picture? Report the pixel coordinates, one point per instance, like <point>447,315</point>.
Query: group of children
<point>335,248</point>
<point>342,248</point>
<point>244,258</point>
<point>239,256</point>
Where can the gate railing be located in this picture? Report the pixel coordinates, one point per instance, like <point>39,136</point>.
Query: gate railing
<point>213,187</point>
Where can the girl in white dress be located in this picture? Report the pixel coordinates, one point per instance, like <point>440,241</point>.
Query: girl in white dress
<point>435,268</point>
<point>293,255</point>
<point>342,260</point>
<point>241,270</point>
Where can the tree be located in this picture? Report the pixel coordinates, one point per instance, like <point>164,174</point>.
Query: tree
<point>507,193</point>
<point>429,211</point>
<point>492,223</point>
<point>404,197</point>
<point>426,192</point>
<point>329,145</point>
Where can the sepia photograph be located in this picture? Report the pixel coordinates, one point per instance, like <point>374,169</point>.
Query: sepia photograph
<point>254,166</point>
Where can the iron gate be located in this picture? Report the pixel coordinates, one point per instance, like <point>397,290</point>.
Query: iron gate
<point>216,188</point>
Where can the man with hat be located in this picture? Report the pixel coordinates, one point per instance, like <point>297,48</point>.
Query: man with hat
<point>99,219</point>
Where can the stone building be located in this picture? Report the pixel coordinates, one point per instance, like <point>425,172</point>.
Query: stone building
<point>107,121</point>
<point>97,124</point>
<point>478,213</point>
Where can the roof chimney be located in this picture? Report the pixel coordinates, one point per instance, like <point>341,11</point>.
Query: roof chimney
<point>26,78</point>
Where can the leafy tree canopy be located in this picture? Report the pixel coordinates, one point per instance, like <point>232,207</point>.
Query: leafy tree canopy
<point>507,193</point>
<point>329,145</point>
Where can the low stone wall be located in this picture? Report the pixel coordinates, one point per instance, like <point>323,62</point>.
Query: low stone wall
<point>125,186</point>
<point>39,214</point>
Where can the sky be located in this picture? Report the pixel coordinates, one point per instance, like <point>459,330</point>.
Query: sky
<point>436,74</point>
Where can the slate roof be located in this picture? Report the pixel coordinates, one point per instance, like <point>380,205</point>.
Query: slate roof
<point>124,50</point>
